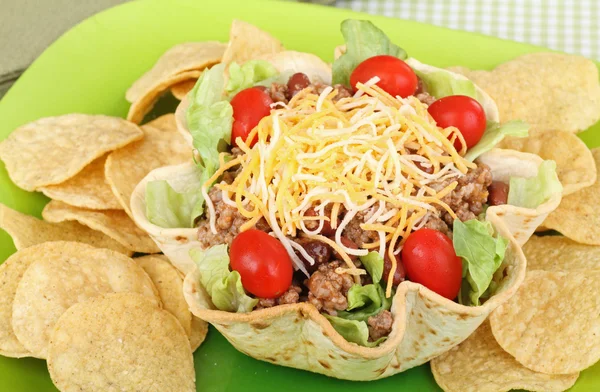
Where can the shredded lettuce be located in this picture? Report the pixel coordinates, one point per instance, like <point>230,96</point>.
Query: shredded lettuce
<point>365,301</point>
<point>209,118</point>
<point>353,331</point>
<point>442,83</point>
<point>494,134</point>
<point>531,192</point>
<point>248,75</point>
<point>224,286</point>
<point>363,40</point>
<point>373,263</point>
<point>481,254</point>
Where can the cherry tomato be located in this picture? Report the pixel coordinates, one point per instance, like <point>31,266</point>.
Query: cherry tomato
<point>429,259</point>
<point>461,112</point>
<point>249,107</point>
<point>397,78</point>
<point>263,263</point>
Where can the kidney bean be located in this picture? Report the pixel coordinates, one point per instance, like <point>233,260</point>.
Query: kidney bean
<point>399,274</point>
<point>498,193</point>
<point>297,83</point>
<point>348,243</point>
<point>327,230</point>
<point>319,251</point>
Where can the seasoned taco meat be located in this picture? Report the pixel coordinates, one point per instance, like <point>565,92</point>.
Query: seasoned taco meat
<point>380,325</point>
<point>327,289</point>
<point>291,296</point>
<point>284,92</point>
<point>469,196</point>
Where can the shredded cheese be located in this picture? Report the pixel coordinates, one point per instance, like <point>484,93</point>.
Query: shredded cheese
<point>373,157</point>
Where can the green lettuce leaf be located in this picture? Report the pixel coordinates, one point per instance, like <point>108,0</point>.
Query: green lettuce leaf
<point>365,301</point>
<point>531,192</point>
<point>209,118</point>
<point>494,134</point>
<point>168,208</point>
<point>224,286</point>
<point>248,75</point>
<point>441,84</point>
<point>353,331</point>
<point>481,254</point>
<point>373,263</point>
<point>363,40</point>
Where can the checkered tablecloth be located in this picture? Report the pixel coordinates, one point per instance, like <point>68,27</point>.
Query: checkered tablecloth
<point>572,26</point>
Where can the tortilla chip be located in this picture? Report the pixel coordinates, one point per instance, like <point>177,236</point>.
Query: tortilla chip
<point>480,364</point>
<point>578,215</point>
<point>199,331</point>
<point>311,65</point>
<point>547,90</point>
<point>169,284</point>
<point>51,150</point>
<point>188,56</point>
<point>120,340</point>
<point>160,147</point>
<point>66,273</point>
<point>575,164</point>
<point>11,272</point>
<point>247,42</point>
<point>551,325</point>
<point>141,107</point>
<point>27,231</point>
<point>114,223</point>
<point>180,90</point>
<point>88,189</point>
<point>557,253</point>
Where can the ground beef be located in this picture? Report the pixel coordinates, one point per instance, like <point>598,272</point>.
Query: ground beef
<point>469,196</point>
<point>380,325</point>
<point>422,95</point>
<point>228,222</point>
<point>280,92</point>
<point>357,235</point>
<point>436,223</point>
<point>328,290</point>
<point>291,296</point>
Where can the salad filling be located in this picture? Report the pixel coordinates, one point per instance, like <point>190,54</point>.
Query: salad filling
<point>336,194</point>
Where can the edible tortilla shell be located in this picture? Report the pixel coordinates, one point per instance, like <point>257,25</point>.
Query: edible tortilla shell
<point>88,189</point>
<point>480,364</point>
<point>174,243</point>
<point>64,274</point>
<point>578,216</point>
<point>188,56</point>
<point>27,231</point>
<point>547,90</point>
<point>161,146</point>
<point>247,41</point>
<point>51,150</point>
<point>114,223</point>
<point>575,164</point>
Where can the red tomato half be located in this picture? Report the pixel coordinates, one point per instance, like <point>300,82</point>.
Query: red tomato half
<point>263,263</point>
<point>397,78</point>
<point>429,259</point>
<point>249,107</point>
<point>461,112</point>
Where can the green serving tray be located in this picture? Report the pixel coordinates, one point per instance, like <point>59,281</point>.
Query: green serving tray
<point>88,70</point>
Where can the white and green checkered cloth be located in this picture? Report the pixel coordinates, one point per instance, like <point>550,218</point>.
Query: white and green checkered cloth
<point>571,26</point>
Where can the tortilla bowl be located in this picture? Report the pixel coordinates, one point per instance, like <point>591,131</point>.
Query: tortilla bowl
<point>425,324</point>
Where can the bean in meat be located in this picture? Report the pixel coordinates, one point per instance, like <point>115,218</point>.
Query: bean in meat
<point>297,83</point>
<point>319,251</point>
<point>498,193</point>
<point>399,274</point>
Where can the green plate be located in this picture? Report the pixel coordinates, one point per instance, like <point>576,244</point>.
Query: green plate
<point>88,70</point>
